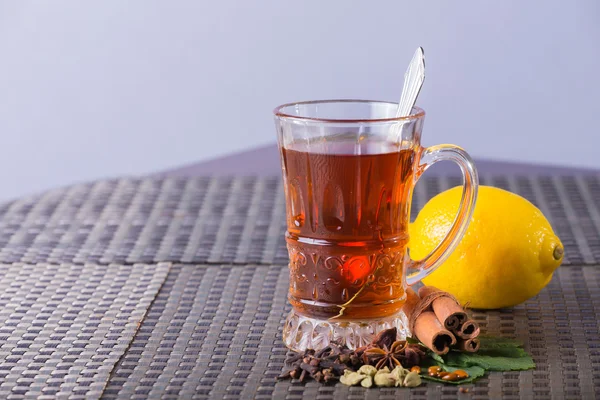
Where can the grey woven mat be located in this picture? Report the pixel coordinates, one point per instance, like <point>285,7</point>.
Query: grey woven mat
<point>215,332</point>
<point>64,327</point>
<point>226,220</point>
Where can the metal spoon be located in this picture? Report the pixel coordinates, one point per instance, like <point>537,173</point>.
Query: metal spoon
<point>413,81</point>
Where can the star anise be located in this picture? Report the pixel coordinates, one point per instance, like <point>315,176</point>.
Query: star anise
<point>385,338</point>
<point>386,356</point>
<point>412,355</point>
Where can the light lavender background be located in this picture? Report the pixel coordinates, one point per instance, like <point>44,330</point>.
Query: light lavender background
<point>96,89</point>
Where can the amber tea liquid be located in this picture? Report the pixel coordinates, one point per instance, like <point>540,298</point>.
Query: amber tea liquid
<point>347,217</point>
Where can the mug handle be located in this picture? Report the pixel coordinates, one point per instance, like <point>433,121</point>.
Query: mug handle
<point>429,156</point>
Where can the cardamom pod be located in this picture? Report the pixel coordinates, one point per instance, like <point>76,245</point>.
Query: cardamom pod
<point>399,374</point>
<point>351,378</point>
<point>367,382</point>
<point>384,370</point>
<point>384,379</point>
<point>368,370</point>
<point>412,379</point>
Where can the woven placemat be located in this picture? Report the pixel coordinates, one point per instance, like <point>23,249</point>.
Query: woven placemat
<point>64,327</point>
<point>215,332</point>
<point>233,220</point>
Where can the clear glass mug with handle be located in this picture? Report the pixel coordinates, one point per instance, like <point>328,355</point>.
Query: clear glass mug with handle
<point>349,170</point>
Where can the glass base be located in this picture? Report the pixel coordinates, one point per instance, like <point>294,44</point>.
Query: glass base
<point>301,333</point>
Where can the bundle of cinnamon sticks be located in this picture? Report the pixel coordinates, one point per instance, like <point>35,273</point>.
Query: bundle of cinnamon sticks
<point>439,322</point>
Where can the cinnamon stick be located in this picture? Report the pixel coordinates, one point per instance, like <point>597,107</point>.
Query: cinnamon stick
<point>468,330</point>
<point>425,325</point>
<point>445,307</point>
<point>432,334</point>
<point>469,345</point>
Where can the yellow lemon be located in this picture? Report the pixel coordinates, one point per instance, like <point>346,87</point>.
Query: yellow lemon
<point>507,255</point>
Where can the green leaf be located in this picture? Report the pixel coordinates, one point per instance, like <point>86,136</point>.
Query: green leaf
<point>474,374</point>
<point>437,357</point>
<point>495,360</point>
<point>411,340</point>
<point>511,352</point>
<point>495,354</point>
<point>489,342</point>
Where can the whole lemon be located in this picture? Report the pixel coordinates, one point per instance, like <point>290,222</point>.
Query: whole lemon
<point>507,255</point>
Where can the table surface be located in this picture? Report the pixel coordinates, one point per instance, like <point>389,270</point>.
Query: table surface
<point>174,286</point>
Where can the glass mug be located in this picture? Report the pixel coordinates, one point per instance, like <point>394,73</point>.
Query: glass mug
<point>349,169</point>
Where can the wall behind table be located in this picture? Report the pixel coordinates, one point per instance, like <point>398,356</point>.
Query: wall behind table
<point>96,89</point>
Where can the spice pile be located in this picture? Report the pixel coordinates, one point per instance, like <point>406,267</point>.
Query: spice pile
<point>446,348</point>
<point>384,362</point>
<point>334,361</point>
